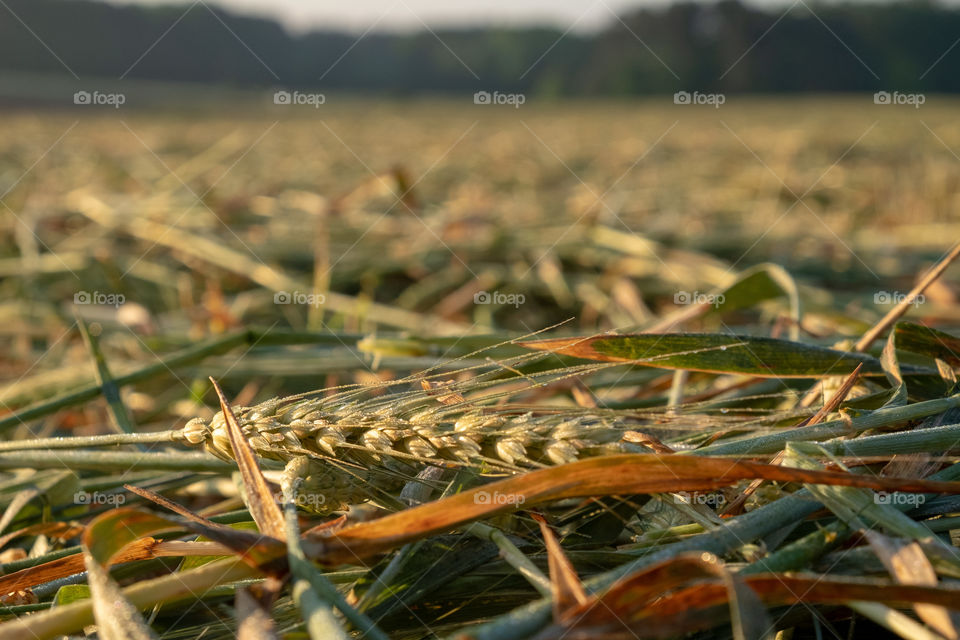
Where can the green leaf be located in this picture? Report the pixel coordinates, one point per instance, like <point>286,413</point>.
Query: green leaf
<point>111,532</point>
<point>917,338</point>
<point>757,284</point>
<point>715,353</point>
<point>71,593</point>
<point>891,366</point>
<point>192,562</point>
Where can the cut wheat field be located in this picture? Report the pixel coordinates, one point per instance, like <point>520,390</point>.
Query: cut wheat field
<point>414,369</point>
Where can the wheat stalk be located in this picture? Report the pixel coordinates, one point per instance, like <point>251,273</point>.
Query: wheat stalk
<point>367,442</point>
<point>359,451</point>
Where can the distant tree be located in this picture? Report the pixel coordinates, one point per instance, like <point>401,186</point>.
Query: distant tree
<point>722,46</point>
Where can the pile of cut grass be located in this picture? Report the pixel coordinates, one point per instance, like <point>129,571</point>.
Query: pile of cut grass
<point>754,449</point>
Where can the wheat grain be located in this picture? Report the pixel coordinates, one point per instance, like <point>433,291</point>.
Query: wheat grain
<point>359,449</point>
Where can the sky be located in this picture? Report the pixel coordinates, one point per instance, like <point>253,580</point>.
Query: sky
<point>393,15</point>
<point>360,16</point>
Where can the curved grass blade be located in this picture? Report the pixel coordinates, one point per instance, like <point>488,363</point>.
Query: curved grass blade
<point>125,534</point>
<point>259,551</point>
<point>891,367</point>
<point>110,534</point>
<point>121,420</point>
<point>784,589</point>
<point>104,539</point>
<point>715,353</point>
<point>907,564</point>
<point>263,507</point>
<point>697,607</point>
<point>69,565</point>
<point>917,338</point>
<point>566,588</point>
<point>116,617</point>
<point>71,593</point>
<point>609,475</point>
<point>71,617</point>
<point>756,284</point>
<point>618,607</point>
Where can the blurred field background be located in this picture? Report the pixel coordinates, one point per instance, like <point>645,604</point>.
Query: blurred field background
<point>284,250</point>
<point>600,212</point>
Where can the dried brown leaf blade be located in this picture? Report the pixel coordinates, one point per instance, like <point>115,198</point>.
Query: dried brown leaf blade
<point>622,474</point>
<point>568,591</point>
<point>661,602</point>
<point>907,564</point>
<point>263,505</point>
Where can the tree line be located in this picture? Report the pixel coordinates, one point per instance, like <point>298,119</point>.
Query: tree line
<point>717,47</point>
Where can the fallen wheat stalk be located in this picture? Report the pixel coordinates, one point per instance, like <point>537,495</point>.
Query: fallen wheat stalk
<point>359,451</point>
